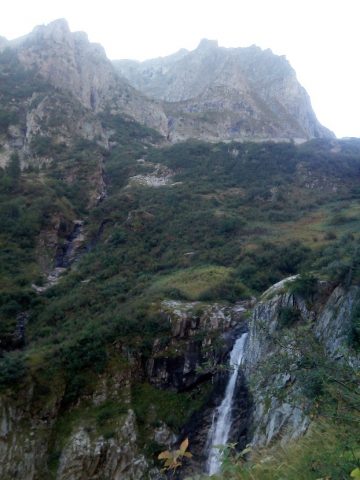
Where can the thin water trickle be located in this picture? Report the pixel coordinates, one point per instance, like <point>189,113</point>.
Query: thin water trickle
<point>222,419</point>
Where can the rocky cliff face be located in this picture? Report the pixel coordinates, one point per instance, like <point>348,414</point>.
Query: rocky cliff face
<point>38,441</point>
<point>280,409</point>
<point>334,323</point>
<point>202,335</point>
<point>99,438</point>
<point>215,93</point>
<point>211,93</point>
<point>25,433</point>
<point>68,61</point>
<point>87,457</point>
<point>71,63</point>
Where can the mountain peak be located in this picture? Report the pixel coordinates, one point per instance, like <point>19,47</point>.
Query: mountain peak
<point>206,44</point>
<point>210,93</point>
<point>228,93</point>
<point>57,29</point>
<point>68,61</point>
<point>3,43</point>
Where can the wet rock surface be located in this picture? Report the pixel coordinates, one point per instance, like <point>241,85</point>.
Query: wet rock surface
<point>202,335</point>
<point>66,255</point>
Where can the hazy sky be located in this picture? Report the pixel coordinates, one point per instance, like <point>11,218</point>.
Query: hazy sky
<point>320,38</point>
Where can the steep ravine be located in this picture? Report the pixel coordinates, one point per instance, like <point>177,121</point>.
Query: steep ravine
<point>43,436</point>
<point>100,437</point>
<point>271,401</point>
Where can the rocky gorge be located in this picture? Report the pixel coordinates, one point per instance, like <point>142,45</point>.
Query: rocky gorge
<point>269,410</point>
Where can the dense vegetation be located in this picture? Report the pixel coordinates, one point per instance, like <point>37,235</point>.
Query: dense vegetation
<point>232,220</point>
<point>238,217</point>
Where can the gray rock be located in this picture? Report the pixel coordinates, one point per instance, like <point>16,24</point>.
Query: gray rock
<point>71,63</point>
<point>215,94</point>
<point>279,408</point>
<point>201,339</point>
<point>88,457</point>
<point>334,323</point>
<point>164,436</point>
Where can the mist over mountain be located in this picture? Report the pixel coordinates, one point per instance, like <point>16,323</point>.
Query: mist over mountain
<point>159,220</point>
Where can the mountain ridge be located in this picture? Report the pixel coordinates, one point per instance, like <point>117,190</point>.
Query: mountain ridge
<point>68,61</point>
<point>211,93</point>
<point>250,93</point>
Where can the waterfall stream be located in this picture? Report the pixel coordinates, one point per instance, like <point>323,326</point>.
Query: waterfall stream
<point>222,419</point>
<point>65,257</point>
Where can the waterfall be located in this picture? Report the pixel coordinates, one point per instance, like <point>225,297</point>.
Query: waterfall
<point>221,424</point>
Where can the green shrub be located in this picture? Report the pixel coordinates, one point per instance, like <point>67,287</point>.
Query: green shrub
<point>354,336</point>
<point>12,369</point>
<point>108,411</point>
<point>75,387</point>
<point>311,382</point>
<point>86,351</point>
<point>304,285</point>
<point>288,316</point>
<point>6,118</point>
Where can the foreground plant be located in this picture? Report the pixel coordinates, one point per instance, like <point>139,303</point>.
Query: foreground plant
<point>173,459</point>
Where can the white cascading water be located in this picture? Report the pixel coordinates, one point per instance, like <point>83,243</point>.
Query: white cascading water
<point>221,424</point>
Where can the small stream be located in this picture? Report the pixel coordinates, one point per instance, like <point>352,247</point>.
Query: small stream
<point>65,257</point>
<point>222,418</point>
<point>67,254</point>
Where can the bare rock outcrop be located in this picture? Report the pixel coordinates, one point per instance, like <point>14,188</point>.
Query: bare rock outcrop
<point>274,353</point>
<point>92,457</point>
<point>72,64</point>
<point>214,93</point>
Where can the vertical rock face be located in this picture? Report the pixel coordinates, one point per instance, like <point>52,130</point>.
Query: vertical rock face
<point>24,435</point>
<point>279,407</point>
<point>276,408</point>
<point>334,324</point>
<point>214,93</point>
<point>202,335</point>
<point>30,441</point>
<point>92,457</point>
<point>68,61</point>
<point>72,64</point>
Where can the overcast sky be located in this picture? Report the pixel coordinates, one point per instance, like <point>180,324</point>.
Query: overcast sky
<point>320,38</point>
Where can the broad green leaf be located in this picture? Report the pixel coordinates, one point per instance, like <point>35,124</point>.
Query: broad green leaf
<point>355,474</point>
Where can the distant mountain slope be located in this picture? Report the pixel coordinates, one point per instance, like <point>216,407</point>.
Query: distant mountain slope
<point>68,61</point>
<point>215,93</point>
<point>210,94</point>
